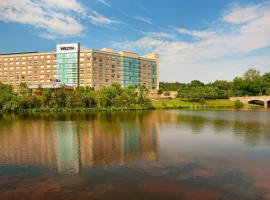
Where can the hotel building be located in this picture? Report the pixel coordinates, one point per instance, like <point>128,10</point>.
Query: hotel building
<point>74,67</point>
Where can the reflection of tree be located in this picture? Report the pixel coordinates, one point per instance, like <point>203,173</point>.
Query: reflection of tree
<point>252,129</point>
<point>197,123</point>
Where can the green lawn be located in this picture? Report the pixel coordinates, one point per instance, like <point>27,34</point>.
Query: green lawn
<point>178,103</point>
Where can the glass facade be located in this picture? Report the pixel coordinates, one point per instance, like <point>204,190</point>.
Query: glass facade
<point>154,75</point>
<point>131,71</point>
<point>67,62</point>
<point>67,68</point>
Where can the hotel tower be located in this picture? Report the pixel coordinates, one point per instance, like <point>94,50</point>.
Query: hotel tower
<point>71,66</point>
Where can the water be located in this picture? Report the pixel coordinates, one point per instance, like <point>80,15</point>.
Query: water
<point>201,155</point>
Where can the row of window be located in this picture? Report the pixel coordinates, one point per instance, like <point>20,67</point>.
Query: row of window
<point>48,62</point>
<point>18,68</point>
<point>42,77</point>
<point>29,72</point>
<point>28,57</point>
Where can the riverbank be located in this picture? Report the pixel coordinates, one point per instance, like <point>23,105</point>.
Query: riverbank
<point>219,104</point>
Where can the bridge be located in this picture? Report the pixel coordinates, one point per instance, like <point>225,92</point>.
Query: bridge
<point>253,100</point>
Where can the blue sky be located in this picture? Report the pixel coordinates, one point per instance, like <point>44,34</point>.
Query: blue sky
<point>196,39</point>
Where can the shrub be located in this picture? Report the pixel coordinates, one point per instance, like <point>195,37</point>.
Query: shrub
<point>238,104</point>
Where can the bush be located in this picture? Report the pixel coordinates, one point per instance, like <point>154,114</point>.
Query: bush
<point>202,101</point>
<point>238,104</point>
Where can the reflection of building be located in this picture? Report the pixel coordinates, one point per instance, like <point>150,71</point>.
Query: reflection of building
<point>69,146</point>
<point>28,143</point>
<point>140,142</point>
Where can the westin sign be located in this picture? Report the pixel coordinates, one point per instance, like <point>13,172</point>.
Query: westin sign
<point>67,48</point>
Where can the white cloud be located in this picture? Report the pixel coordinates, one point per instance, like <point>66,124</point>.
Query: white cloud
<point>56,18</point>
<point>64,4</point>
<point>47,36</point>
<point>218,53</point>
<point>99,19</point>
<point>159,35</point>
<point>198,34</point>
<point>104,2</point>
<point>143,19</point>
<point>240,15</point>
<point>45,14</point>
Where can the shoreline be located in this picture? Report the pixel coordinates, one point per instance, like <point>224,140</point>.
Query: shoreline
<point>109,110</point>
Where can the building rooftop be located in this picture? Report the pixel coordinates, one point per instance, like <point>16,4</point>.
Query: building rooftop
<point>27,52</point>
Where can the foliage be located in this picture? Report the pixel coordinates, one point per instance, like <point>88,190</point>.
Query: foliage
<point>238,104</point>
<point>252,83</point>
<point>113,96</point>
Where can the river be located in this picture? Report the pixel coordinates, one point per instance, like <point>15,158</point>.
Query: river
<point>170,154</point>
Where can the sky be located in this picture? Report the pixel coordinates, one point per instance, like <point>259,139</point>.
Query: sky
<point>196,39</point>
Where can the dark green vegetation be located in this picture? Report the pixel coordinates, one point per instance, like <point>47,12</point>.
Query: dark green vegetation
<point>111,97</point>
<point>193,95</point>
<point>252,83</point>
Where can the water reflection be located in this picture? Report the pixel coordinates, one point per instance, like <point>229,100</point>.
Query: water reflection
<point>70,145</point>
<point>67,148</point>
<point>136,155</point>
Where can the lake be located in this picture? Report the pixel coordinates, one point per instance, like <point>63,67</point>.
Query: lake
<point>170,154</point>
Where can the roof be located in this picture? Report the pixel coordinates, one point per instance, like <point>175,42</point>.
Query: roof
<point>19,53</point>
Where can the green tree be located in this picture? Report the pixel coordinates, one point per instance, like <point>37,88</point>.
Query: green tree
<point>196,83</point>
<point>252,74</point>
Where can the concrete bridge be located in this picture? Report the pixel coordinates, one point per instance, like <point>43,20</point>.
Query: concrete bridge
<point>253,99</point>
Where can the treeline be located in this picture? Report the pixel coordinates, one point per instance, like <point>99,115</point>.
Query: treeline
<point>113,96</point>
<point>252,83</point>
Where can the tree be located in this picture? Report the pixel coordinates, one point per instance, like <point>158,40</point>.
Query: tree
<point>143,96</point>
<point>23,88</point>
<point>88,99</point>
<point>252,74</point>
<point>107,94</point>
<point>196,83</point>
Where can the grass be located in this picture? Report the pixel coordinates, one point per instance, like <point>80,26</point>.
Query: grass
<point>178,103</point>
